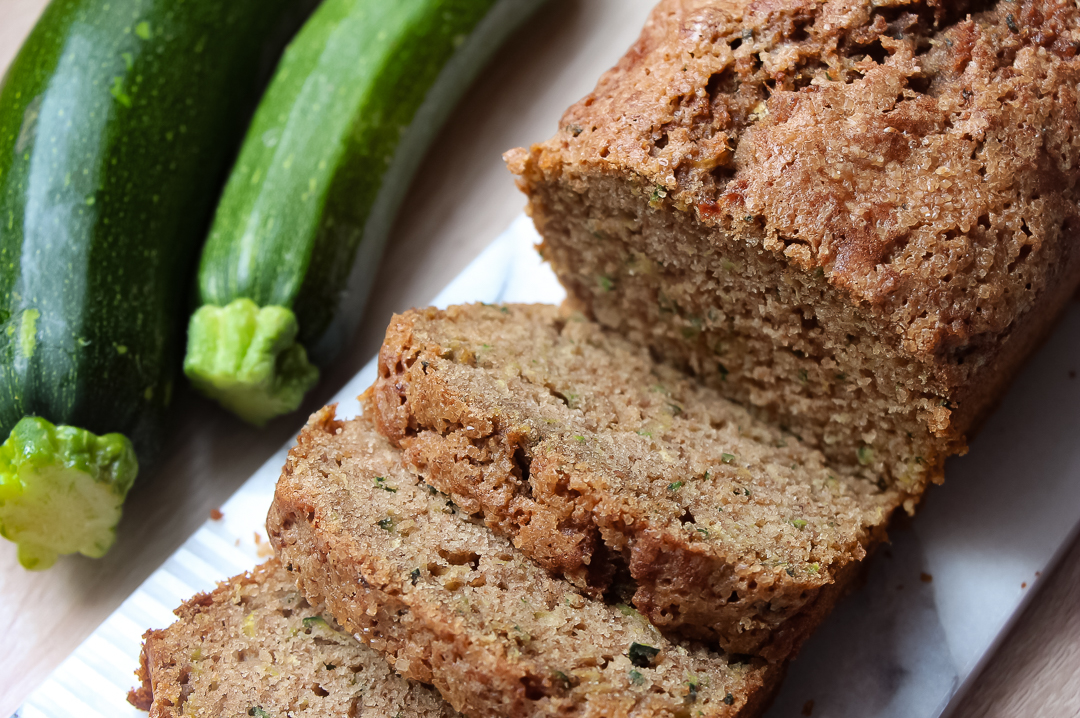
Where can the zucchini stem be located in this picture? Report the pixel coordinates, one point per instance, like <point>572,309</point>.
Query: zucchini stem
<point>62,490</point>
<point>247,359</point>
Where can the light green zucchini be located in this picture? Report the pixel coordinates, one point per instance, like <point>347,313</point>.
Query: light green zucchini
<point>352,108</point>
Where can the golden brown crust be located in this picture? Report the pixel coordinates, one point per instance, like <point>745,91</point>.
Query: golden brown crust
<point>590,455</point>
<point>958,118</point>
<point>142,696</point>
<point>920,159</point>
<point>449,602</point>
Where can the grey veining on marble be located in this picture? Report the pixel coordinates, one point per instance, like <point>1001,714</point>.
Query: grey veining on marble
<point>897,647</point>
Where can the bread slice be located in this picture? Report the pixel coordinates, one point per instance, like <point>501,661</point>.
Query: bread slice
<point>855,218</point>
<point>256,647</point>
<point>591,455</point>
<point>450,603</point>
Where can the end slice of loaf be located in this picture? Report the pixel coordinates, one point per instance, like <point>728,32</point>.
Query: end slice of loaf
<point>590,455</point>
<point>450,603</point>
<point>256,647</point>
<point>856,218</point>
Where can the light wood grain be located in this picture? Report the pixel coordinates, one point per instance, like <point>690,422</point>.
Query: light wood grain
<point>1036,671</point>
<point>462,198</point>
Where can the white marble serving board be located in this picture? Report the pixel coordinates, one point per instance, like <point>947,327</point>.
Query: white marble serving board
<point>935,603</point>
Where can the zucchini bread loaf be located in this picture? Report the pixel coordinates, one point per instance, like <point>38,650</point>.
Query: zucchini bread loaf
<point>856,218</point>
<point>256,647</point>
<point>591,456</point>
<point>451,604</point>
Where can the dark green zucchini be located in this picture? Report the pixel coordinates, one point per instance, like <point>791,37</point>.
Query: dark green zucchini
<point>117,121</point>
<point>355,101</point>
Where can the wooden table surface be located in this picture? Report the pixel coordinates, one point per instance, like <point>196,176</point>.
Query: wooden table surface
<point>462,198</point>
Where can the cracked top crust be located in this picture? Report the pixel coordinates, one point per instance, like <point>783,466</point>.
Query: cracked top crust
<point>921,153</point>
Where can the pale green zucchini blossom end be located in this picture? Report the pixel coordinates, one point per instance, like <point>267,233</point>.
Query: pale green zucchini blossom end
<point>247,359</point>
<point>62,490</point>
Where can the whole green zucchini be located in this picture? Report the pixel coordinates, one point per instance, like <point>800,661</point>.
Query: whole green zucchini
<point>117,121</point>
<point>349,114</point>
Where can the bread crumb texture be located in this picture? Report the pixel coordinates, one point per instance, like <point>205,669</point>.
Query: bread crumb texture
<point>854,217</point>
<point>256,647</point>
<point>596,458</point>
<point>450,603</point>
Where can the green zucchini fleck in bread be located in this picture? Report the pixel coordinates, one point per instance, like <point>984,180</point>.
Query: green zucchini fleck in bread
<point>592,456</point>
<point>256,647</point>
<point>450,603</point>
<point>855,218</point>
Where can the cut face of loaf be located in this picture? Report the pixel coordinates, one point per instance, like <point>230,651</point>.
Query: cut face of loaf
<point>591,456</point>
<point>256,647</point>
<point>856,219</point>
<point>451,604</point>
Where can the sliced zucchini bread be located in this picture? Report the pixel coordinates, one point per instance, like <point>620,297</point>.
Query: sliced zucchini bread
<point>256,647</point>
<point>594,457</point>
<point>856,218</point>
<point>450,603</point>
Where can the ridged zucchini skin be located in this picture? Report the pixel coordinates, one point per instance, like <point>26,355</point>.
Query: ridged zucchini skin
<point>354,104</point>
<point>117,121</point>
